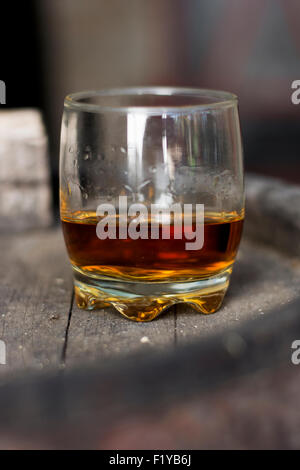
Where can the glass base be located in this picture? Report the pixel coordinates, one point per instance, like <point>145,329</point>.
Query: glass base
<point>141,301</point>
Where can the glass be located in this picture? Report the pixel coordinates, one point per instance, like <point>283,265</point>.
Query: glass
<point>152,197</point>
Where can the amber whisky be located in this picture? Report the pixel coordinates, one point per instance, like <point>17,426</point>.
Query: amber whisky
<point>152,260</point>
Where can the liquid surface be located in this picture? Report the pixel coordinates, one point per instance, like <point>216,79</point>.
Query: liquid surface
<point>149,259</point>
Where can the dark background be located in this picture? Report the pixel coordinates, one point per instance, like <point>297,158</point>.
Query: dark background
<point>251,47</point>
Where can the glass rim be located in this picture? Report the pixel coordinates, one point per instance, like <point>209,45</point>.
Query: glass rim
<point>220,99</point>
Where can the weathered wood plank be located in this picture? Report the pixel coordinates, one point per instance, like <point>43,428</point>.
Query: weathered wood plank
<point>34,300</point>
<point>102,334</point>
<point>238,378</point>
<point>262,280</point>
<point>202,395</point>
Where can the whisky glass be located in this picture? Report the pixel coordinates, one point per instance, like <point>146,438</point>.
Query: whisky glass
<point>151,197</point>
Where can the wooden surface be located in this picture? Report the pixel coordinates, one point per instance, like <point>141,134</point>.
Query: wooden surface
<point>96,380</point>
<point>237,390</point>
<point>43,328</point>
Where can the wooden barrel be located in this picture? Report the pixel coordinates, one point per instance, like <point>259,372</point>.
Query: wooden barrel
<point>77,379</point>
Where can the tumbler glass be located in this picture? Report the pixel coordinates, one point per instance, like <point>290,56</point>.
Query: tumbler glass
<point>151,197</point>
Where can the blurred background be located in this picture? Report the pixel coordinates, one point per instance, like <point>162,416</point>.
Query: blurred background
<point>50,48</point>
<point>250,47</point>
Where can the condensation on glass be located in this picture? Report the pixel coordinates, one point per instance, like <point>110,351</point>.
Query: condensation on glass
<point>153,147</point>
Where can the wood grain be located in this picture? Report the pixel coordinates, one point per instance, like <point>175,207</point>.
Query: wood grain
<point>35,296</point>
<point>235,389</point>
<point>262,280</point>
<point>43,329</point>
<point>103,334</point>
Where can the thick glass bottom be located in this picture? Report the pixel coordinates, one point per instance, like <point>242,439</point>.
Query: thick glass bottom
<point>144,301</point>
